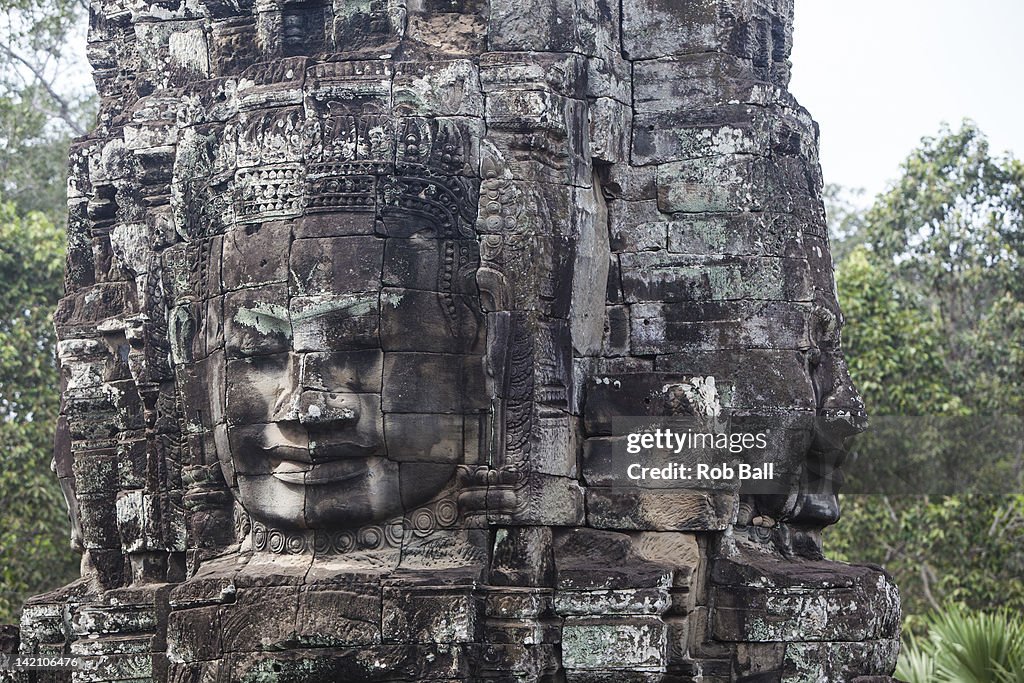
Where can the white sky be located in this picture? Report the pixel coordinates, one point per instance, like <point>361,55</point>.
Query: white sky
<point>878,75</point>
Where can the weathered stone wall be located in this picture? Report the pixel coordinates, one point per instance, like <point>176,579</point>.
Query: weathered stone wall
<point>357,293</point>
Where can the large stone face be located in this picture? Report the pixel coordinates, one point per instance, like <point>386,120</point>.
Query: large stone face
<point>362,298</point>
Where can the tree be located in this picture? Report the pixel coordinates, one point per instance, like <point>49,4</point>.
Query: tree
<point>933,292</point>
<point>844,207</point>
<point>950,232</point>
<point>45,99</point>
<point>34,543</point>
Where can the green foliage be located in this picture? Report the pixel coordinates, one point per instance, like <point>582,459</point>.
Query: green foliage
<point>894,349</point>
<point>932,289</point>
<point>34,156</point>
<point>34,549</point>
<point>844,207</point>
<point>965,549</point>
<point>950,236</point>
<point>45,99</point>
<point>915,664</point>
<point>962,647</point>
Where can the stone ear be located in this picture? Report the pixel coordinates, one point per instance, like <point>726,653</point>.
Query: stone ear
<point>590,271</point>
<point>494,290</point>
<point>181,332</point>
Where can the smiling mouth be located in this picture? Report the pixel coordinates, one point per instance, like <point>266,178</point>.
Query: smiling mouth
<point>318,474</point>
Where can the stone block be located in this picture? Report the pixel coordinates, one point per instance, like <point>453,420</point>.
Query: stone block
<point>438,88</point>
<point>414,262</point>
<point>609,644</point>
<point>257,321</point>
<point>339,618</point>
<point>555,448</point>
<point>347,322</point>
<point>335,224</point>
<point>274,608</point>
<point>663,138</point>
<point>678,510</point>
<point>431,437</point>
<point>419,484</point>
<point>600,603</point>
<point>442,615</point>
<point>257,386</point>
<point>521,557</point>
<point>550,129</point>
<point>589,272</point>
<point>670,278</point>
<point>688,82</point>
<point>425,662</point>
<point>427,321</point>
<point>753,234</point>
<point>431,382</point>
<point>840,660</point>
<point>344,371</point>
<point>446,151</point>
<point>457,27</point>
<point>99,521</point>
<point>637,226</point>
<point>563,73</point>
<point>356,86</point>
<point>95,472</point>
<point>631,183</point>
<point>636,395</point>
<point>130,667</point>
<point>616,332</point>
<point>547,499</point>
<point>610,123</point>
<point>193,635</point>
<point>335,265</point>
<point>754,391</point>
<point>657,29</point>
<point>138,522</point>
<point>41,622</point>
<point>543,26</point>
<point>723,183</point>
<point>711,326</point>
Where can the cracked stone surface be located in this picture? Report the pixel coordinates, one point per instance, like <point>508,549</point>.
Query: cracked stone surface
<point>358,294</point>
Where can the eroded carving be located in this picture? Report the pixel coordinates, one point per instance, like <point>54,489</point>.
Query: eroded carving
<point>359,294</point>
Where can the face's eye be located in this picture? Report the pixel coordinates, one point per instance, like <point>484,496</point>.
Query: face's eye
<point>253,326</point>
<point>257,386</point>
<point>343,371</point>
<point>336,322</point>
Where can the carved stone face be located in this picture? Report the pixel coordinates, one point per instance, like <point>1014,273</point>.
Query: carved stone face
<point>350,384</point>
<point>352,375</point>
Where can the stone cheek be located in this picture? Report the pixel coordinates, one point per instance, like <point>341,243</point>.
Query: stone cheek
<point>358,296</point>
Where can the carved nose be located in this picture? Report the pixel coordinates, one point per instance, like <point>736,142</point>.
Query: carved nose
<point>321,407</point>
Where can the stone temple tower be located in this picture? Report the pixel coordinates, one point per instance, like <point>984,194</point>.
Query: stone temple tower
<point>368,303</point>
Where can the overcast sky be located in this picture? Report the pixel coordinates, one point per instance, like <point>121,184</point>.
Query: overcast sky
<point>878,75</point>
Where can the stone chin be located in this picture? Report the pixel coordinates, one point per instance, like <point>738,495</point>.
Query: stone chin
<point>373,493</point>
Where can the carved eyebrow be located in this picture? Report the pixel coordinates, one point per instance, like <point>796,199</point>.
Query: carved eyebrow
<point>266,317</point>
<point>354,305</point>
